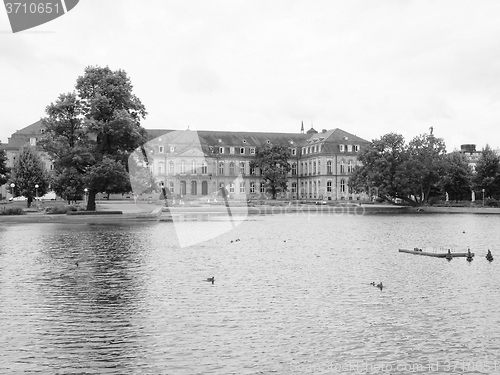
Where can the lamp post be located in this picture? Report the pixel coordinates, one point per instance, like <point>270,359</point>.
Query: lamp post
<point>36,191</point>
<point>483,197</point>
<point>86,191</point>
<point>12,186</point>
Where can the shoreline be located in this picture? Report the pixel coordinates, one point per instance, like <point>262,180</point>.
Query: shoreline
<point>127,212</point>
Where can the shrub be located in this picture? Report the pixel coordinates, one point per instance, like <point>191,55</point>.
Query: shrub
<point>60,209</point>
<point>12,211</point>
<point>490,202</point>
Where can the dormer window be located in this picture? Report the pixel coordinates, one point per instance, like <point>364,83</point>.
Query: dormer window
<point>231,150</point>
<point>221,150</point>
<point>244,141</point>
<point>349,148</point>
<point>268,141</point>
<point>252,150</point>
<point>211,148</point>
<point>160,149</point>
<point>342,147</point>
<point>33,141</point>
<point>172,148</point>
<point>356,148</point>
<point>242,150</point>
<point>294,151</point>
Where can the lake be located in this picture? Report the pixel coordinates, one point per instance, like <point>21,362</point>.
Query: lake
<point>292,294</point>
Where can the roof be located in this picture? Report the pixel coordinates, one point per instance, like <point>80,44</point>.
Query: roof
<point>34,128</point>
<point>337,136</point>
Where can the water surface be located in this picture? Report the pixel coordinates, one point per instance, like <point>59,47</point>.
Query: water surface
<point>292,296</point>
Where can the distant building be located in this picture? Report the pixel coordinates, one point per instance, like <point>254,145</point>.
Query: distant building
<point>198,163</point>
<point>471,155</point>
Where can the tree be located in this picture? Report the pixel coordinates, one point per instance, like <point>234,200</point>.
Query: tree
<point>487,175</point>
<point>380,170</point>
<point>395,170</point>
<point>28,171</point>
<point>424,166</point>
<point>4,171</point>
<point>456,180</point>
<point>95,129</point>
<point>274,167</point>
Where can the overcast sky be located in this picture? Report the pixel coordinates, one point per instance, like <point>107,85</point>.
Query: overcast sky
<point>368,67</point>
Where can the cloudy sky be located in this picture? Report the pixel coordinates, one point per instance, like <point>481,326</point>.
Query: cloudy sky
<point>369,67</point>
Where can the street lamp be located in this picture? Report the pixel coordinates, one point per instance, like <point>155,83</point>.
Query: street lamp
<point>12,186</point>
<point>483,197</point>
<point>36,191</point>
<point>86,191</point>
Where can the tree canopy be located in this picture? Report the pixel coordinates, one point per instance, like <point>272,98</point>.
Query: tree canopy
<point>4,171</point>
<point>27,172</point>
<point>91,132</point>
<point>274,166</point>
<point>456,181</point>
<point>487,175</point>
<point>391,169</point>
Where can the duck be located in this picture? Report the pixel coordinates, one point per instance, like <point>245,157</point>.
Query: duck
<point>372,283</point>
<point>380,286</point>
<point>211,279</point>
<point>489,256</point>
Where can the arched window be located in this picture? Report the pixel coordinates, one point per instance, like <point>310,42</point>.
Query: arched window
<point>294,169</point>
<point>328,186</point>
<point>262,187</point>
<point>242,167</point>
<point>204,168</point>
<point>231,168</point>
<point>342,167</point>
<point>342,186</point>
<point>221,168</point>
<point>252,187</point>
<point>294,187</point>
<point>183,167</point>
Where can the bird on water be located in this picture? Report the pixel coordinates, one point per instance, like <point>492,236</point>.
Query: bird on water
<point>211,279</point>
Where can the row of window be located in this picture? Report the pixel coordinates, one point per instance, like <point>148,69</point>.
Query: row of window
<point>314,167</point>
<point>307,186</point>
<point>310,167</point>
<point>317,148</point>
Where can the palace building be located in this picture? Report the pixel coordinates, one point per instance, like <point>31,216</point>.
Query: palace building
<point>198,163</point>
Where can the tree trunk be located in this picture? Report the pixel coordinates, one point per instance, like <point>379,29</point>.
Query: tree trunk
<point>30,199</point>
<point>91,201</point>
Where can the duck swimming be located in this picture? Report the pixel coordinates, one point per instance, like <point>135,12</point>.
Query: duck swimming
<point>211,279</point>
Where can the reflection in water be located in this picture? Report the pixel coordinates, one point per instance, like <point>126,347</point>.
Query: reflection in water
<point>293,295</point>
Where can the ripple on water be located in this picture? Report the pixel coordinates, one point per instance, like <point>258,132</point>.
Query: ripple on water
<point>291,296</point>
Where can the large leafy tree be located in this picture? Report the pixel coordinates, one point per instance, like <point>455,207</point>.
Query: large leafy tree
<point>4,171</point>
<point>457,178</point>
<point>92,131</point>
<point>487,175</point>
<point>424,166</point>
<point>391,169</point>
<point>274,166</point>
<point>379,172</point>
<point>27,172</point>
